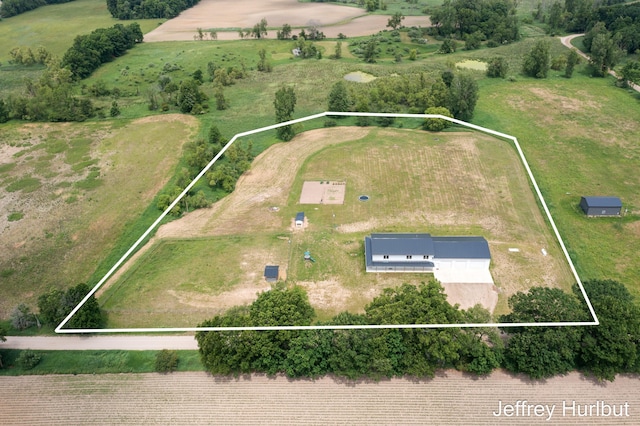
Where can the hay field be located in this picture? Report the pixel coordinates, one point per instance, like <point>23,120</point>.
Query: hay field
<point>446,184</point>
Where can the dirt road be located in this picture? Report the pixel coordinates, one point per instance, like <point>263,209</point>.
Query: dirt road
<point>106,343</point>
<point>566,40</point>
<point>197,398</point>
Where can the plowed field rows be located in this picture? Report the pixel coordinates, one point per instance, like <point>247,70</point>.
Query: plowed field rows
<point>196,398</point>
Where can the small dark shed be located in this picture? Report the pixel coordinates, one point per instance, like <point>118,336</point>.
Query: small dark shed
<point>601,206</point>
<point>271,273</point>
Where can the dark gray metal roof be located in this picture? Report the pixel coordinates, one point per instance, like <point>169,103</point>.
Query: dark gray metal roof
<point>461,248</point>
<point>299,216</point>
<point>401,244</point>
<point>424,244</point>
<point>271,271</point>
<point>603,201</point>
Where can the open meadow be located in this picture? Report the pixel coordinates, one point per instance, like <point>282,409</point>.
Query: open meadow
<point>69,193</point>
<point>447,184</point>
<point>64,213</point>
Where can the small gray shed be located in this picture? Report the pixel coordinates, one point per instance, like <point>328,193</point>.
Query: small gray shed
<point>601,206</point>
<point>271,273</point>
<point>300,220</point>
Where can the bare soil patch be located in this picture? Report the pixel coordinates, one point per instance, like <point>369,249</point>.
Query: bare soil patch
<point>323,192</point>
<point>242,14</point>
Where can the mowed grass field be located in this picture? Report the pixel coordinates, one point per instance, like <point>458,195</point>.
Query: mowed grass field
<point>462,183</point>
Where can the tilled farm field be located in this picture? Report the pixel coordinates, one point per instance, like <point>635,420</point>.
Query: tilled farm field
<point>197,398</point>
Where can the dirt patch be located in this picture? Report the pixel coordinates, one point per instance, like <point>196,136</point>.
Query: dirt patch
<point>564,103</point>
<point>220,303</point>
<point>469,295</point>
<point>235,14</point>
<point>327,294</point>
<point>323,192</point>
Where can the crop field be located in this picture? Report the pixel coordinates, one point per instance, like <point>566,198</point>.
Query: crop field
<point>189,398</point>
<point>447,184</point>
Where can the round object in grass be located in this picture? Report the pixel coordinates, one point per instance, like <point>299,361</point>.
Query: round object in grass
<point>363,198</point>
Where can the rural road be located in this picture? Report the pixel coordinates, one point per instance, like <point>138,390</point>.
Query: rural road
<point>566,40</point>
<point>101,343</point>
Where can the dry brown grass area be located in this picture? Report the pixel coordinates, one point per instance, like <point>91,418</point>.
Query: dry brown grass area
<point>450,398</point>
<point>67,226</point>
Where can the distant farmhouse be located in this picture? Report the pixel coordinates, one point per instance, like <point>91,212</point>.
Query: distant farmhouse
<point>424,253</point>
<point>601,206</point>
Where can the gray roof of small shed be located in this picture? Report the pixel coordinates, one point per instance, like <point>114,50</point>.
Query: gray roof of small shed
<point>603,201</point>
<point>271,271</point>
<point>299,216</point>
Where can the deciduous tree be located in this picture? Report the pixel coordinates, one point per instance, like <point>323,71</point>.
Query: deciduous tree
<point>463,95</point>
<point>604,54</point>
<point>395,21</point>
<point>611,347</point>
<point>436,124</point>
<point>285,103</point>
<point>22,317</point>
<point>498,67</point>
<point>339,99</point>
<point>543,352</point>
<point>572,60</point>
<point>536,62</point>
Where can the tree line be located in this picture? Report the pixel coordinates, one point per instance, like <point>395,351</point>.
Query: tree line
<point>9,8</point>
<point>539,352</point>
<point>102,45</point>
<point>148,9</point>
<point>52,97</point>
<point>493,20</point>
<point>457,92</point>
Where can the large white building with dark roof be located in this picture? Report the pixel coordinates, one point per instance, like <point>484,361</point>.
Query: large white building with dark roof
<point>424,253</point>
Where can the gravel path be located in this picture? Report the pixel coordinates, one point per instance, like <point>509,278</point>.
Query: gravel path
<point>197,398</point>
<point>106,343</point>
<point>566,40</point>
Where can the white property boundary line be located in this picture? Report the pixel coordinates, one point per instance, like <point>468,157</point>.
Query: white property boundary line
<point>595,321</point>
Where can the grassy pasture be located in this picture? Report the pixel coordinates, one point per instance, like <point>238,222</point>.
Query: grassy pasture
<point>447,184</point>
<point>579,137</point>
<point>55,26</point>
<point>94,178</point>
